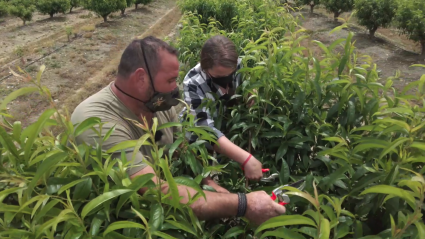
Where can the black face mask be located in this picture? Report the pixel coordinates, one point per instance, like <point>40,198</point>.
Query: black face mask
<point>223,81</point>
<point>159,101</point>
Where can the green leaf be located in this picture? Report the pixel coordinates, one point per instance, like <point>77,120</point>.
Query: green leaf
<point>284,173</point>
<point>86,124</point>
<point>234,231</point>
<point>190,183</point>
<point>83,190</point>
<point>282,233</point>
<point>137,183</point>
<point>128,144</point>
<point>7,142</point>
<point>45,210</point>
<point>168,125</point>
<point>163,235</point>
<point>324,229</point>
<point>283,148</point>
<point>342,230</point>
<point>386,189</point>
<point>96,223</point>
<point>342,64</point>
<point>183,226</point>
<point>418,145</point>
<point>16,232</point>
<point>70,185</point>
<point>101,199</point>
<point>15,94</point>
<point>351,112</point>
<point>47,164</point>
<point>156,218</point>
<point>121,225</point>
<point>421,229</point>
<point>393,145</point>
<point>285,220</point>
<point>174,147</point>
<point>330,213</point>
<point>171,184</point>
<point>6,192</point>
<point>34,130</point>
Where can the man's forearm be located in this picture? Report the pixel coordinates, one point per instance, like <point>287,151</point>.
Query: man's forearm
<point>216,205</point>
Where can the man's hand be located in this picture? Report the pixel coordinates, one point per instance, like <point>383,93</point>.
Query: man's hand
<point>252,169</point>
<point>260,207</point>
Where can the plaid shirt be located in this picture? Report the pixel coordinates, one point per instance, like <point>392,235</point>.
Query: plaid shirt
<point>197,86</point>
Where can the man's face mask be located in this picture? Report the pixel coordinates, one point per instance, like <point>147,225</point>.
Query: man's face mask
<point>223,81</point>
<point>159,101</point>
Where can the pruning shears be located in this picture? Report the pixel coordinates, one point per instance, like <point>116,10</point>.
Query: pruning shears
<point>279,192</point>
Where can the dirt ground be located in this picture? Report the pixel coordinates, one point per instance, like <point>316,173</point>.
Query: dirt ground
<point>390,51</point>
<point>77,69</point>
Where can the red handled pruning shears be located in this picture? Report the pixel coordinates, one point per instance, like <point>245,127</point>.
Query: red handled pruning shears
<point>279,192</point>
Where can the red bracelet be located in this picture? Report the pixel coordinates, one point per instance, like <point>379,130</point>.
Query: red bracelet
<point>246,161</point>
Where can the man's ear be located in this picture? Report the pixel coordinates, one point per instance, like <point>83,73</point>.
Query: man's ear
<point>140,75</point>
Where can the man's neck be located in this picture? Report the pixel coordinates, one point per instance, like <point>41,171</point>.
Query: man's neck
<point>137,107</point>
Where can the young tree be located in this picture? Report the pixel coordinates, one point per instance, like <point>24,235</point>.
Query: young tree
<point>124,4</point>
<point>52,7</point>
<point>3,9</point>
<point>374,14</point>
<point>23,9</point>
<point>311,3</point>
<point>74,4</point>
<point>104,7</point>
<point>144,2</point>
<point>338,6</point>
<point>410,18</point>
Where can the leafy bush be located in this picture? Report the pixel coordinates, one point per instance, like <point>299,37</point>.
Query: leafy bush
<point>144,2</point>
<point>338,6</point>
<point>52,7</point>
<point>123,6</point>
<point>74,4</point>
<point>3,9</point>
<point>23,9</point>
<point>222,10</point>
<point>311,3</point>
<point>105,7</point>
<point>410,19</point>
<point>374,14</point>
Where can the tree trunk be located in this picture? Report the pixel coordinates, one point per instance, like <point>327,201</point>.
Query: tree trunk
<point>122,11</point>
<point>372,32</point>
<point>311,9</point>
<point>70,10</point>
<point>51,15</point>
<point>25,22</point>
<point>105,18</point>
<point>136,5</point>
<point>336,15</point>
<point>423,47</point>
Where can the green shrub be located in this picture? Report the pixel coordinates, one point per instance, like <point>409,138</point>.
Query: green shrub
<point>222,10</point>
<point>144,2</point>
<point>410,20</point>
<point>74,4</point>
<point>124,5</point>
<point>374,14</point>
<point>105,7</point>
<point>23,9</point>
<point>338,6</point>
<point>3,9</point>
<point>52,7</point>
<point>311,3</point>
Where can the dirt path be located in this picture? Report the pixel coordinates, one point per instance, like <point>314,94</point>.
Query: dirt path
<point>389,51</point>
<point>88,63</point>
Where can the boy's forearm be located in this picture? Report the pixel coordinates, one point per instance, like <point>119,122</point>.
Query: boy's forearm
<point>226,147</point>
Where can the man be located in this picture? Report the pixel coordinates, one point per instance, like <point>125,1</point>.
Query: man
<point>145,87</point>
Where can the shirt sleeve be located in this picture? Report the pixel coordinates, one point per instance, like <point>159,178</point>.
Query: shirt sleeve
<point>119,135</point>
<point>193,95</point>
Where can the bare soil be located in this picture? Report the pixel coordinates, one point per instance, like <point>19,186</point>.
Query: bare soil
<point>390,51</point>
<point>79,68</point>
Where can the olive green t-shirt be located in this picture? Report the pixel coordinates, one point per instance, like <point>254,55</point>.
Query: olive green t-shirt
<point>106,106</point>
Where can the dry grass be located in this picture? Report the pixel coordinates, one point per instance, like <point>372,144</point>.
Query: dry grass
<point>88,35</point>
<point>88,28</point>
